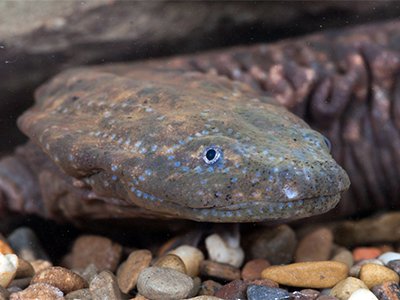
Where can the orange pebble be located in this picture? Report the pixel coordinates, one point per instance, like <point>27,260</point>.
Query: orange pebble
<point>361,253</point>
<point>5,248</point>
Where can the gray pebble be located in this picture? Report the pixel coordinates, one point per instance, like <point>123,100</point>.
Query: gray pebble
<point>394,265</point>
<point>26,244</point>
<point>83,294</point>
<point>277,245</point>
<point>104,286</point>
<point>259,292</point>
<point>164,284</point>
<point>4,294</point>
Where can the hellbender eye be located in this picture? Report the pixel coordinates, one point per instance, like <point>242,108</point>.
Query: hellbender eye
<point>328,143</point>
<point>212,155</point>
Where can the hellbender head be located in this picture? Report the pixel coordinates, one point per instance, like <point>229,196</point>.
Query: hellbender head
<point>182,145</point>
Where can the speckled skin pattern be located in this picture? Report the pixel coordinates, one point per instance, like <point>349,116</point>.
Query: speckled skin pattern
<point>134,137</point>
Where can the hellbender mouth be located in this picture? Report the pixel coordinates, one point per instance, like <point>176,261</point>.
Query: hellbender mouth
<point>265,211</point>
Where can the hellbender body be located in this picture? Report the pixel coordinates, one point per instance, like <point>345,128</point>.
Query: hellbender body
<point>131,140</point>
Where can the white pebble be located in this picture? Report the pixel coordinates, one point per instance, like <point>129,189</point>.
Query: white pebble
<point>221,252</point>
<point>362,294</point>
<point>388,256</point>
<point>8,268</point>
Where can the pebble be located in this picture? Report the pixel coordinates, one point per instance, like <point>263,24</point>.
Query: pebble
<point>8,268</point>
<point>323,274</point>
<point>363,294</point>
<point>39,291</point>
<point>171,261</point>
<point>394,265</point>
<point>343,289</point>
<point>376,229</point>
<point>40,264</point>
<point>162,283</point>
<point>128,272</point>
<point>326,297</point>
<point>264,282</point>
<point>89,273</point>
<point>4,294</point>
<point>355,269</point>
<point>104,286</point>
<point>205,298</point>
<point>373,274</point>
<point>235,289</point>
<point>209,287</point>
<point>83,294</point>
<point>343,255</point>
<point>277,245</point>
<point>26,244</point>
<point>24,269</point>
<point>362,253</point>
<point>92,249</point>
<point>388,256</point>
<point>191,257</point>
<point>220,251</point>
<point>196,287</point>
<point>21,283</point>
<point>5,248</point>
<point>257,292</point>
<point>221,271</point>
<point>387,291</point>
<point>315,246</point>
<point>253,268</point>
<point>62,278</point>
<point>306,294</point>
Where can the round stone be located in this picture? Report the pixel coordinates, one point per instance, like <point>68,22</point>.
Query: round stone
<point>387,291</point>
<point>315,246</point>
<point>162,283</point>
<point>5,248</point>
<point>219,251</point>
<point>394,265</point>
<point>388,256</point>
<point>373,274</point>
<point>39,291</point>
<point>62,278</point>
<point>24,269</point>
<point>277,245</point>
<point>343,289</point>
<point>257,292</point>
<point>362,294</point>
<point>8,268</point>
<point>26,244</point>
<point>361,253</point>
<point>97,250</point>
<point>171,261</point>
<point>191,257</point>
<point>128,272</point>
<point>343,255</point>
<point>322,274</point>
<point>235,289</point>
<point>222,271</point>
<point>253,268</point>
<point>40,264</point>
<point>355,270</point>
<point>104,286</point>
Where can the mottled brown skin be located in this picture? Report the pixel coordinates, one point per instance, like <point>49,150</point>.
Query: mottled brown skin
<point>343,83</point>
<point>130,143</point>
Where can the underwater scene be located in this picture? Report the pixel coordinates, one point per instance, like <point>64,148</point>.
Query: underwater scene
<point>205,150</point>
